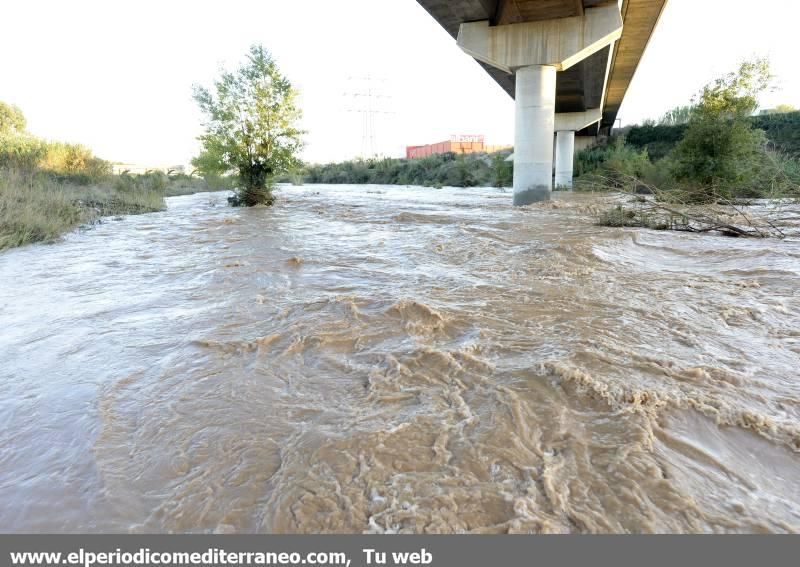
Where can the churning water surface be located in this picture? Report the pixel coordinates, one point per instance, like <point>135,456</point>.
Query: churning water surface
<point>392,359</point>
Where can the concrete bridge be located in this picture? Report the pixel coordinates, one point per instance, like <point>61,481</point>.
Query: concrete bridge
<point>567,64</point>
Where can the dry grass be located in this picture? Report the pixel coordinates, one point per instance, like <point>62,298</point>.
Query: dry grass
<point>36,208</point>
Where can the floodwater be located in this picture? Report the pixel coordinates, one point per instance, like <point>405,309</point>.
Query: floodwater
<point>391,359</point>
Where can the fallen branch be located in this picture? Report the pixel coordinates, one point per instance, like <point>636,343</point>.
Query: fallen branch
<point>650,207</point>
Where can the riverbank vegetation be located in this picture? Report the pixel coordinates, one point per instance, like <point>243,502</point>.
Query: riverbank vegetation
<point>709,159</point>
<point>449,169</point>
<point>49,188</point>
<point>39,207</point>
<point>251,128</point>
<point>782,130</point>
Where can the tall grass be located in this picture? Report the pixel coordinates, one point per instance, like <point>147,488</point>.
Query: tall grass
<point>38,207</point>
<point>48,188</point>
<point>31,213</point>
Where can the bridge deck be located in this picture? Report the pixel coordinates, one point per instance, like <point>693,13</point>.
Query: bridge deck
<point>580,87</point>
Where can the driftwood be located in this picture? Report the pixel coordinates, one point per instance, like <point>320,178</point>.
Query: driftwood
<point>650,207</point>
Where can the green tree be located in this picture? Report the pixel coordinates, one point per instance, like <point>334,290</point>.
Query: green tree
<point>11,119</point>
<point>251,127</point>
<point>721,148</point>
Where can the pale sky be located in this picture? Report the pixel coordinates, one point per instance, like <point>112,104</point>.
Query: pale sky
<point>117,75</point>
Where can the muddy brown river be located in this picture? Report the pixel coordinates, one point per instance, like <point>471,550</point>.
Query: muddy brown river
<point>391,359</point>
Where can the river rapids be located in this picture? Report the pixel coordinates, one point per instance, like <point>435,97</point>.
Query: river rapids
<point>392,359</point>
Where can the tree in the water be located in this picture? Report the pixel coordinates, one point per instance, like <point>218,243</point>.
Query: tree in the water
<point>251,127</point>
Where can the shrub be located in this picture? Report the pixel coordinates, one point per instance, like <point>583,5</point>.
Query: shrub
<point>470,170</point>
<point>721,150</point>
<point>502,170</point>
<point>23,152</point>
<point>782,131</point>
<point>613,159</point>
<point>11,119</point>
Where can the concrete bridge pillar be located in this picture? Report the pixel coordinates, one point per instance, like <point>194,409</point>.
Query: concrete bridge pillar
<point>535,51</point>
<point>565,157</point>
<point>534,118</point>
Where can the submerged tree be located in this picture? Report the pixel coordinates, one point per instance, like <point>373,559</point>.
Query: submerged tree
<point>721,148</point>
<point>251,127</point>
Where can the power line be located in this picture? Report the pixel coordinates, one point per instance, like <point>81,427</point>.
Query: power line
<point>369,99</point>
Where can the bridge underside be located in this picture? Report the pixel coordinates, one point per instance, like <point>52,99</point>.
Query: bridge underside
<point>583,86</point>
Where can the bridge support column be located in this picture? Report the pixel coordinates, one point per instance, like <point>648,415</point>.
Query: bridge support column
<point>565,157</point>
<point>534,119</point>
<point>535,51</point>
